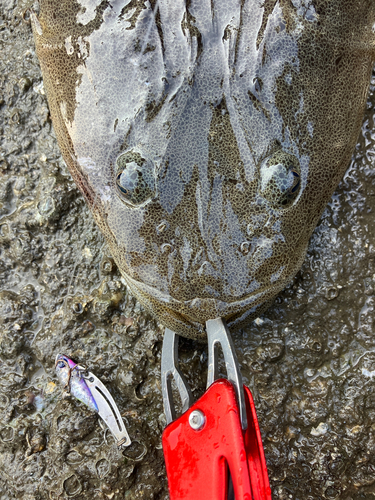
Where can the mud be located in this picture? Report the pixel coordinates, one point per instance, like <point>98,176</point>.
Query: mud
<point>309,361</point>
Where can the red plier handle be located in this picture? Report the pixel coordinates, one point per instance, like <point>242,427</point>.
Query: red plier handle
<point>216,445</point>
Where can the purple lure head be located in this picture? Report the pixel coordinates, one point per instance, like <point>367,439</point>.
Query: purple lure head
<point>72,379</point>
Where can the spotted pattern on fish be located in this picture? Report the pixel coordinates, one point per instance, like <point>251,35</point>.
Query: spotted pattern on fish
<point>207,136</point>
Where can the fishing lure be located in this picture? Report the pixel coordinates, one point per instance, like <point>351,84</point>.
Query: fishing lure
<point>88,389</point>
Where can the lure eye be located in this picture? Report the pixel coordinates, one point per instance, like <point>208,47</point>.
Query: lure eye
<point>60,364</point>
<point>280,179</point>
<point>135,181</point>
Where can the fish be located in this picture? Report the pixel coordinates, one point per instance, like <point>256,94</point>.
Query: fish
<point>79,382</point>
<point>206,136</point>
<point>73,381</point>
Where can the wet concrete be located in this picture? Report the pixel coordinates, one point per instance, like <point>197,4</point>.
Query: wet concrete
<point>310,360</point>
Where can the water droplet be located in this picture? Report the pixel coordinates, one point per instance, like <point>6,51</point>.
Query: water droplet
<point>102,468</point>
<point>331,492</point>
<point>218,398</point>
<point>62,421</point>
<point>232,408</point>
<point>107,266</point>
<point>280,179</point>
<point>77,308</point>
<point>87,327</point>
<point>166,248</point>
<point>136,451</point>
<point>250,229</point>
<point>6,434</point>
<point>257,84</point>
<point>4,400</point>
<point>162,227</point>
<point>72,486</point>
<point>73,457</point>
<point>331,293</point>
<point>317,346</point>
<point>245,247</point>
<point>135,179</point>
<point>15,118</point>
<point>4,230</point>
<point>46,207</point>
<point>205,269</point>
<point>60,446</point>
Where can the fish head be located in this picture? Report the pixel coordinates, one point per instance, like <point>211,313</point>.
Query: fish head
<point>72,380</point>
<point>64,367</point>
<point>207,138</point>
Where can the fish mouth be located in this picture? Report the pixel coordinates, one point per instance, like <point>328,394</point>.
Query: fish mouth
<point>188,318</point>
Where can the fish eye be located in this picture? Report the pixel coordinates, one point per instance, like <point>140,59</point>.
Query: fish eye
<point>61,364</point>
<point>280,179</point>
<point>135,181</point>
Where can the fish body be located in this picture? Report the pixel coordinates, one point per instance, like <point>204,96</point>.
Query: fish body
<point>71,378</point>
<point>207,136</point>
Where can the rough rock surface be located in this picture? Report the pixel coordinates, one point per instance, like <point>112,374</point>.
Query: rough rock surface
<point>310,360</point>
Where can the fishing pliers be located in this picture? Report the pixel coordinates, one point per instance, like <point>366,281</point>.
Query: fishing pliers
<point>214,450</point>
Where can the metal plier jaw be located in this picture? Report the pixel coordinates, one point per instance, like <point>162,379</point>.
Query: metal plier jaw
<point>217,334</point>
<point>214,449</point>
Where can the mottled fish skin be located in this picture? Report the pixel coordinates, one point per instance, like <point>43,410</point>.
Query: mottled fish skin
<point>71,378</point>
<point>207,136</point>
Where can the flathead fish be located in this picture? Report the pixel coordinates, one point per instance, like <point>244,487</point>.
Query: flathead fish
<point>207,136</point>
